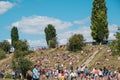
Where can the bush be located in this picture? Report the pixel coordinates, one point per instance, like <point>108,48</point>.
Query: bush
<point>19,53</point>
<point>52,43</point>
<point>115,53</point>
<point>2,54</point>
<point>5,45</point>
<point>25,65</point>
<point>22,64</point>
<point>21,45</point>
<point>75,42</point>
<point>30,51</point>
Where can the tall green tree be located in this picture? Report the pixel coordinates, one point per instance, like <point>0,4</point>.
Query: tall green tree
<point>99,23</point>
<point>50,33</point>
<point>75,42</point>
<point>14,35</point>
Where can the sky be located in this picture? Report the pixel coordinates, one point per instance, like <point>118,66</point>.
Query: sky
<point>69,17</point>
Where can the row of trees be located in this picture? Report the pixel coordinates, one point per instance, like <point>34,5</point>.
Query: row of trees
<point>74,43</point>
<point>99,26</point>
<point>99,31</point>
<point>23,64</point>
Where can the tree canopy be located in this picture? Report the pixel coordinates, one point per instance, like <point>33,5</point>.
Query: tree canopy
<point>99,23</point>
<point>14,36</point>
<point>50,33</point>
<point>75,42</point>
<point>5,45</point>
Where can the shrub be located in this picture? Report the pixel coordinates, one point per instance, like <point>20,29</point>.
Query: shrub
<point>19,53</point>
<point>25,65</point>
<point>22,64</point>
<point>2,54</point>
<point>75,42</point>
<point>5,45</point>
<point>21,45</point>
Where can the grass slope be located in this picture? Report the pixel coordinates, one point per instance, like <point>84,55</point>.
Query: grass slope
<point>78,58</point>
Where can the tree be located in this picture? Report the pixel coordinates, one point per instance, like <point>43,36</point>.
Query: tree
<point>115,45</point>
<point>14,35</point>
<point>25,65</point>
<point>21,45</point>
<point>75,42</point>
<point>52,43</point>
<point>99,24</point>
<point>22,64</point>
<point>5,45</point>
<point>50,33</point>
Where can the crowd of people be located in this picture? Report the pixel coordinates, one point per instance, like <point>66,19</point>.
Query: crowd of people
<point>79,73</point>
<point>63,72</point>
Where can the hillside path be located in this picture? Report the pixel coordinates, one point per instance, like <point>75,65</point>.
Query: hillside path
<point>6,59</point>
<point>86,63</point>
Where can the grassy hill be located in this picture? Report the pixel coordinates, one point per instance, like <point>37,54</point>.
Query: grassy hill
<point>91,56</point>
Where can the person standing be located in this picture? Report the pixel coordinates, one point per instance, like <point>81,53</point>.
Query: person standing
<point>105,73</point>
<point>29,75</point>
<point>36,73</point>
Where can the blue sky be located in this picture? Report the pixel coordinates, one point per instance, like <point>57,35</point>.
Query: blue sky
<point>68,17</point>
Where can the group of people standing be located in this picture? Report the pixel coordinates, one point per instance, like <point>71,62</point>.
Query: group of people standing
<point>71,73</point>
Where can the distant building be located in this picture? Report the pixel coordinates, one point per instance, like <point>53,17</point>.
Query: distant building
<point>94,43</point>
<point>89,43</point>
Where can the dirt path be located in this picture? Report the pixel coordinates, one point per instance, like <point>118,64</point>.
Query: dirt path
<point>86,63</point>
<point>8,59</point>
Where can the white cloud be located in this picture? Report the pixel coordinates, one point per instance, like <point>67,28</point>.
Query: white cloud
<point>5,6</point>
<point>37,24</point>
<point>9,40</point>
<point>84,30</point>
<point>83,21</point>
<point>37,43</point>
<point>112,30</point>
<point>64,36</point>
